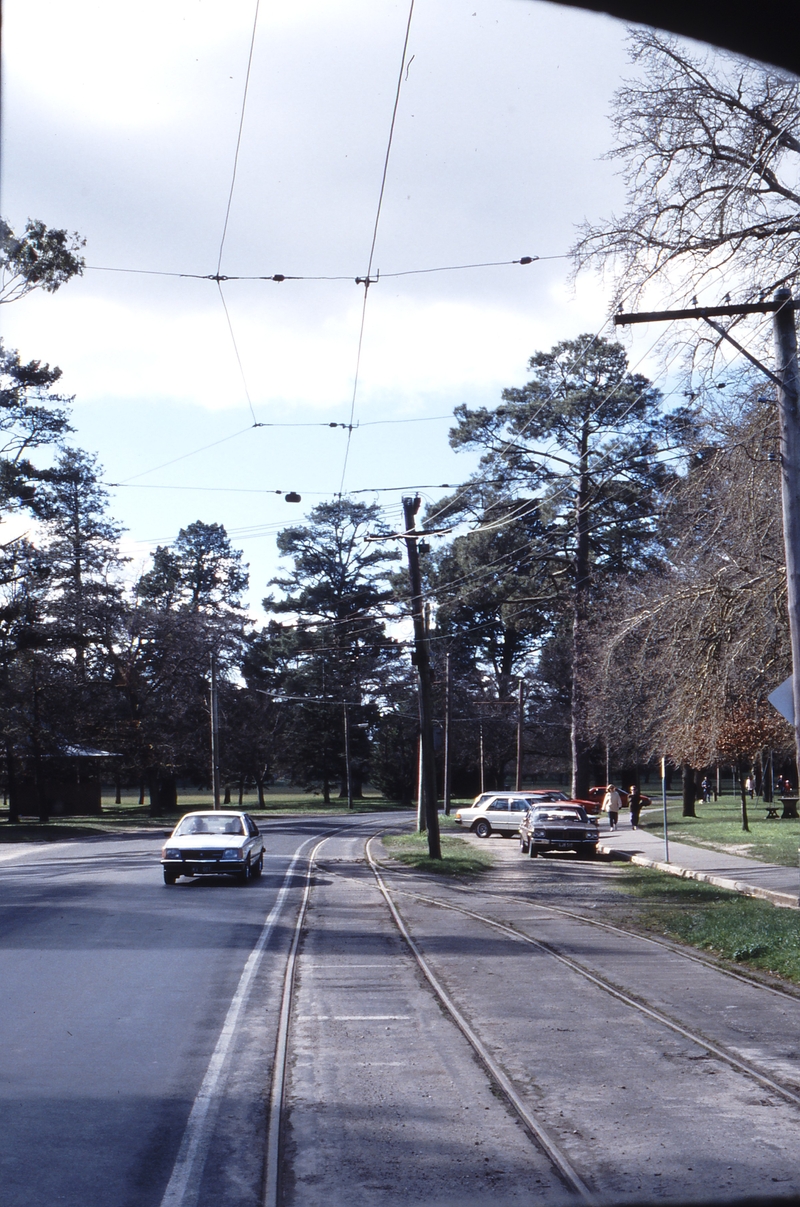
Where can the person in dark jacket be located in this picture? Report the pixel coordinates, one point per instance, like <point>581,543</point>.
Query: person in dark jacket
<point>635,803</point>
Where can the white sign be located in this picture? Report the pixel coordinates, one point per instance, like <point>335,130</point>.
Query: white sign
<point>783,699</point>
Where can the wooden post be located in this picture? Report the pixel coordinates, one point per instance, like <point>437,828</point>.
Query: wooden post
<point>347,758</point>
<point>789,416</point>
<point>519,737</point>
<point>446,753</point>
<point>428,785</point>
<point>214,734</point>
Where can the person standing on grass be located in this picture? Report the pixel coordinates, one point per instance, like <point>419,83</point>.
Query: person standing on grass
<point>611,805</point>
<point>635,803</point>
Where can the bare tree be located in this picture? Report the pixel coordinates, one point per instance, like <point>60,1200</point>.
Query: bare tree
<point>710,148</point>
<point>696,647</point>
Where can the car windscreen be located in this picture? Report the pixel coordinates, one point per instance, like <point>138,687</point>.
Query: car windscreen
<point>209,823</point>
<point>556,815</point>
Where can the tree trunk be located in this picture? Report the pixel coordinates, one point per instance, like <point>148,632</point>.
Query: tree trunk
<point>227,799</point>
<point>260,790</point>
<point>118,793</point>
<point>326,789</point>
<point>163,789</point>
<point>141,791</point>
<point>689,790</point>
<point>241,791</point>
<point>13,804</point>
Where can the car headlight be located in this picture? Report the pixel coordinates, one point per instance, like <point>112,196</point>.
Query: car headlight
<point>170,853</point>
<point>234,853</point>
<point>539,833</point>
<point>458,815</point>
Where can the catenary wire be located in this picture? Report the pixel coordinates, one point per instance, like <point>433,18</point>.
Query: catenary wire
<point>238,141</point>
<point>280,277</point>
<point>379,208</point>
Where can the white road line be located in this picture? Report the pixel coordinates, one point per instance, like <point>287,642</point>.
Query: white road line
<point>184,1184</point>
<point>353,1018</point>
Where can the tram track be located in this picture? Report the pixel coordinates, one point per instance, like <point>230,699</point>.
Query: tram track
<point>627,999</point>
<point>502,1082</point>
<point>499,1080</point>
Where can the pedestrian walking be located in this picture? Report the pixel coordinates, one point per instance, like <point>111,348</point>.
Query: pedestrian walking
<point>635,803</point>
<point>748,786</point>
<point>706,787</point>
<point>611,805</point>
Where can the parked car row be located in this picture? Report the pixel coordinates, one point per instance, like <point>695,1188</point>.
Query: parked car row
<point>545,820</point>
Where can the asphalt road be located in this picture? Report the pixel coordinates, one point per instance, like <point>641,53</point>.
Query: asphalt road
<point>139,1026</point>
<point>113,994</point>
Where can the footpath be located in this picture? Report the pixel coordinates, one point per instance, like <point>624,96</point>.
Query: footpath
<point>770,881</point>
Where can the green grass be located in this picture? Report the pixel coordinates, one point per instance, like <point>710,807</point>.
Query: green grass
<point>131,816</point>
<point>719,826</point>
<point>459,858</point>
<point>740,929</point>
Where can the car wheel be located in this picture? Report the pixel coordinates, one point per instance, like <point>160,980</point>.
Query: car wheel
<point>245,874</point>
<point>533,851</point>
<point>588,851</point>
<point>169,876</point>
<point>259,866</point>
<point>482,828</point>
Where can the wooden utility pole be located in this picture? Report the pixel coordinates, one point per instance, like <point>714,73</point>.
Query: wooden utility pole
<point>446,755</point>
<point>428,794</point>
<point>520,716</point>
<point>214,733</point>
<point>789,415</point>
<point>347,757</point>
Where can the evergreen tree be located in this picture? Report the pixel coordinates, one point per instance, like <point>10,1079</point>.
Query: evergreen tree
<point>580,443</point>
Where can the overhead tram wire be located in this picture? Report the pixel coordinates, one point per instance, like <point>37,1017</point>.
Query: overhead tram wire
<point>280,277</point>
<point>367,280</point>
<point>224,236</point>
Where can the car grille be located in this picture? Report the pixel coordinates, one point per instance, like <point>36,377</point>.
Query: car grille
<point>558,835</point>
<point>201,856</point>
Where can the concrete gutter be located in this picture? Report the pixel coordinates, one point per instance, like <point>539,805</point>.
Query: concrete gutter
<point>785,900</point>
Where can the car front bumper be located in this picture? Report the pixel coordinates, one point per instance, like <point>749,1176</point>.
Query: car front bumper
<point>204,867</point>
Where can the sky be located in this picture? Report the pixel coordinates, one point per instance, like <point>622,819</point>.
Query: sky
<point>120,122</point>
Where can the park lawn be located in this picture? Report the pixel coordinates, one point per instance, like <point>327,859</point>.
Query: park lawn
<point>741,929</point>
<point>130,816</point>
<point>718,825</point>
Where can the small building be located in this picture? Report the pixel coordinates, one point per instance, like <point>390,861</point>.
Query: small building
<point>70,784</point>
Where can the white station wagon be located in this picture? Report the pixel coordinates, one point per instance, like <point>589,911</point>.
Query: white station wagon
<point>218,843</point>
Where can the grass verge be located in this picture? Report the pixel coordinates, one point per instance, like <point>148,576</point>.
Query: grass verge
<point>744,930</point>
<point>459,858</point>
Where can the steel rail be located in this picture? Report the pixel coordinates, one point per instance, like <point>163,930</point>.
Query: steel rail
<point>674,948</point>
<point>271,1185</point>
<point>715,1049</point>
<point>535,1129</point>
